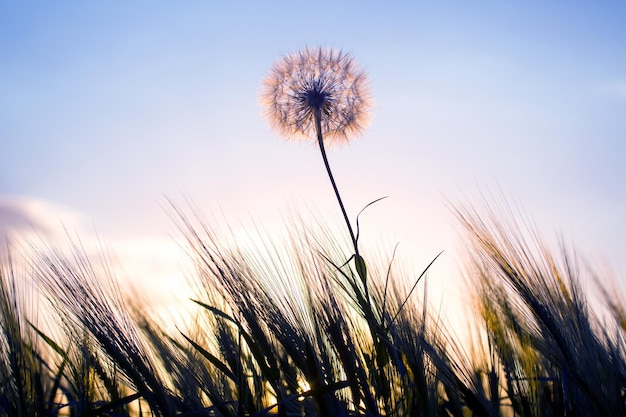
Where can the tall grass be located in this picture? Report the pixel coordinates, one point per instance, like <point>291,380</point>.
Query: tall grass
<point>289,327</point>
<point>557,355</point>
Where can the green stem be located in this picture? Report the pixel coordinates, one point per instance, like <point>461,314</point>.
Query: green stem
<point>320,140</point>
<point>358,261</point>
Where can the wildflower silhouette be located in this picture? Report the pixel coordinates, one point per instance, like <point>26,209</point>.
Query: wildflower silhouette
<point>320,93</point>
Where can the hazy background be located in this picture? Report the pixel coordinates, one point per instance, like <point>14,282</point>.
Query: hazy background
<point>109,108</point>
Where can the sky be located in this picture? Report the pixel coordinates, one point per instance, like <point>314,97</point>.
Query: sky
<point>108,110</point>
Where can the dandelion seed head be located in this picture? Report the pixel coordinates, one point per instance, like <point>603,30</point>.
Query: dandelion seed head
<point>317,80</point>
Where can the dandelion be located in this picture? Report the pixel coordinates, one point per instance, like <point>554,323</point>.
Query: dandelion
<point>320,92</point>
<point>317,91</point>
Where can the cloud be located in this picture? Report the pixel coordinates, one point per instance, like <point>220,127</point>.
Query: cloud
<point>150,264</point>
<point>13,216</point>
<point>23,217</point>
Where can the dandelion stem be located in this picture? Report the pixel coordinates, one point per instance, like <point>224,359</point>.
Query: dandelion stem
<point>320,140</point>
<point>358,261</point>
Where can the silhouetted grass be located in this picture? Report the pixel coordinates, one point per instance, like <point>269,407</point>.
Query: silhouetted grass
<point>289,327</point>
<point>557,356</point>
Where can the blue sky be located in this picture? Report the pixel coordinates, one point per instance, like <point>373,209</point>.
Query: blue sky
<point>107,108</point>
